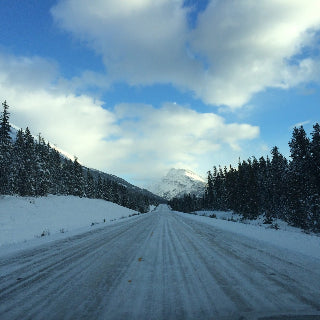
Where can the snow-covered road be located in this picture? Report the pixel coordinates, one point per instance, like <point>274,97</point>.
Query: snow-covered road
<point>158,266</point>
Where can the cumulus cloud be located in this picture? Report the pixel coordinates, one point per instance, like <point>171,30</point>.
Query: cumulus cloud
<point>252,45</point>
<point>236,49</point>
<point>20,71</point>
<point>141,41</point>
<point>176,136</point>
<point>130,139</point>
<point>76,123</point>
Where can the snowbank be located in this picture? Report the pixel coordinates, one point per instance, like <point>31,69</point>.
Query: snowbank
<point>27,218</point>
<point>231,216</point>
<point>292,239</point>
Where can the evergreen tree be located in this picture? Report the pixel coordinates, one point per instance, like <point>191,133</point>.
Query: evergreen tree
<point>98,188</point>
<point>278,187</point>
<point>115,193</point>
<point>264,186</point>
<point>5,150</point>
<point>67,177</point>
<point>43,173</point>
<point>30,165</point>
<point>56,172</point>
<point>77,179</point>
<point>104,189</point>
<point>89,189</point>
<point>315,158</point>
<point>18,166</point>
<point>108,191</point>
<point>231,178</point>
<point>299,178</point>
<point>210,191</point>
<point>315,179</point>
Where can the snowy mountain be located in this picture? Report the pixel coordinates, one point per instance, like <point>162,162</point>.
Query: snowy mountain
<point>177,182</point>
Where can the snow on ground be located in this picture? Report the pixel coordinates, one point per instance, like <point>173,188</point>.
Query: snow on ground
<point>161,265</point>
<point>234,217</point>
<point>26,218</point>
<point>290,238</point>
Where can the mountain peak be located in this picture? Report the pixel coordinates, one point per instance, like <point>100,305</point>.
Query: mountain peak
<point>184,172</point>
<point>177,182</point>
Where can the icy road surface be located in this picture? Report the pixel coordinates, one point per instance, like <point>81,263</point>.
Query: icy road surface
<point>159,266</point>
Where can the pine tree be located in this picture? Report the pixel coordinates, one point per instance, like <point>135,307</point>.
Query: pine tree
<point>89,188</point>
<point>5,151</point>
<point>315,158</point>
<point>299,177</point>
<point>315,178</point>
<point>115,193</point>
<point>43,181</point>
<point>98,188</point>
<point>67,177</point>
<point>56,172</point>
<point>219,187</point>
<point>108,191</point>
<point>30,163</point>
<point>278,185</point>
<point>231,188</point>
<point>264,187</point>
<point>18,165</point>
<point>77,179</point>
<point>209,191</point>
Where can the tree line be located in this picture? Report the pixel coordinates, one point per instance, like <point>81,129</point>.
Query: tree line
<point>273,186</point>
<point>31,167</point>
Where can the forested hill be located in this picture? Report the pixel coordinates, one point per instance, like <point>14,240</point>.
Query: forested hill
<point>31,167</point>
<point>107,176</point>
<point>275,187</point>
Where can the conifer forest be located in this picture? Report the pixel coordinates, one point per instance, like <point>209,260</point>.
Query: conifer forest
<point>276,187</point>
<point>31,167</point>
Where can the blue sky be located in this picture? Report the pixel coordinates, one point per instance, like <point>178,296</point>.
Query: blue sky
<point>135,87</point>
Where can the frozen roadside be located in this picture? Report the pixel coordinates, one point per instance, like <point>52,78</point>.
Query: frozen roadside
<point>29,221</point>
<point>308,244</point>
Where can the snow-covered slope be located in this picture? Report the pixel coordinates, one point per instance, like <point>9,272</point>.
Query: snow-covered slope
<point>177,182</point>
<point>26,218</point>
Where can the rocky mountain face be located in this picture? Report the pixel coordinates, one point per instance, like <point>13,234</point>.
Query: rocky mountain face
<point>177,182</point>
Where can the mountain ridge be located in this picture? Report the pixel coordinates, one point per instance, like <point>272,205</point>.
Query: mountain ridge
<point>178,182</point>
<point>134,191</point>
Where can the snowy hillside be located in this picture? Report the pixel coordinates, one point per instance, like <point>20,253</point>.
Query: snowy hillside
<point>177,182</point>
<point>112,188</point>
<point>26,218</point>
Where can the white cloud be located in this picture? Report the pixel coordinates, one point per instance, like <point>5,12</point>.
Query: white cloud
<point>20,71</point>
<point>249,45</point>
<point>237,48</point>
<point>87,81</point>
<point>299,124</point>
<point>137,140</point>
<point>141,41</point>
<point>74,123</point>
<point>175,136</point>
